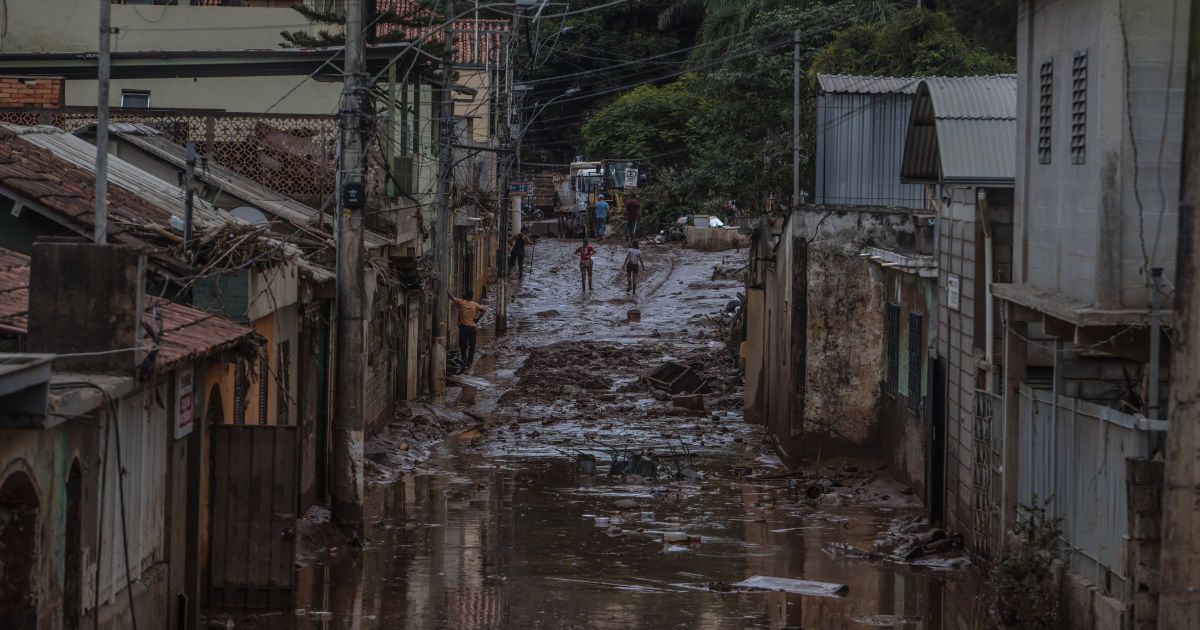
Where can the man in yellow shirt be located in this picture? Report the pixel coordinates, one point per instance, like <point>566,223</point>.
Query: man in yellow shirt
<point>468,314</point>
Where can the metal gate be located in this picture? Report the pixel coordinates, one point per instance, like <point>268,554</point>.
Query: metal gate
<point>253,516</point>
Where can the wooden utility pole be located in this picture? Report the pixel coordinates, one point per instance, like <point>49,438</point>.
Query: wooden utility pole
<point>443,226</point>
<point>1179,599</point>
<point>100,234</point>
<point>350,390</point>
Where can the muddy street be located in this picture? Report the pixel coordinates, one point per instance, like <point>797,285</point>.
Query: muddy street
<point>500,527</point>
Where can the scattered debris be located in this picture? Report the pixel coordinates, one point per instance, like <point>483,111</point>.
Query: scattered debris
<point>694,402</point>
<point>788,585</point>
<point>674,378</point>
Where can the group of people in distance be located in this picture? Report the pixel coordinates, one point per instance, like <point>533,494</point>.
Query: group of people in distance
<point>469,311</point>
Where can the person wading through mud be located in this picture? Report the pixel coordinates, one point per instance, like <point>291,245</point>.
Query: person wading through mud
<point>517,254</point>
<point>633,212</point>
<point>601,217</point>
<point>468,317</point>
<point>585,253</point>
<point>633,265</point>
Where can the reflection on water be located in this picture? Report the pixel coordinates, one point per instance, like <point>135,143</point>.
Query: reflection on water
<point>506,544</point>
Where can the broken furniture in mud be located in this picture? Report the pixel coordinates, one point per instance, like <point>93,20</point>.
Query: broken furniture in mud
<point>674,379</point>
<point>643,461</point>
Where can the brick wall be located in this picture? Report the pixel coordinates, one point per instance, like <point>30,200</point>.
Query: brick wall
<point>31,92</point>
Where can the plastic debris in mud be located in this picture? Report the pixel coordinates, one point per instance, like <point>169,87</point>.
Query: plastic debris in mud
<point>789,585</point>
<point>585,464</point>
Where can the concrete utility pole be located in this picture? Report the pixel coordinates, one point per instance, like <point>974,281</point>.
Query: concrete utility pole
<point>189,174</point>
<point>443,226</point>
<point>350,392</point>
<point>102,73</point>
<point>796,119</point>
<point>1179,600</point>
<point>504,212</point>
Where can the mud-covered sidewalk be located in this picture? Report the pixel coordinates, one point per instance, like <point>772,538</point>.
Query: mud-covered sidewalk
<point>499,527</point>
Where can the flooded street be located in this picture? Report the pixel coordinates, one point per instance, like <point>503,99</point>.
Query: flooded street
<point>498,528</point>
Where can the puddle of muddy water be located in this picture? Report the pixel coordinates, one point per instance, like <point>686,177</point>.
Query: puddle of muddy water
<point>490,543</point>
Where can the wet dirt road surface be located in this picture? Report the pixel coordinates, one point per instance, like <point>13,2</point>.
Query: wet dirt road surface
<point>499,530</point>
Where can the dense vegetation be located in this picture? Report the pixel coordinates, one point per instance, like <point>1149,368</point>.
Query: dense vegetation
<point>721,128</point>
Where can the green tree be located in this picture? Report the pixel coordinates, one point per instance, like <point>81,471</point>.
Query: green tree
<point>648,123</point>
<point>914,42</point>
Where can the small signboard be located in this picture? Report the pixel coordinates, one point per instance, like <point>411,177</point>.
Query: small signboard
<point>631,175</point>
<point>183,401</point>
<point>354,196</point>
<point>521,187</point>
<point>953,292</point>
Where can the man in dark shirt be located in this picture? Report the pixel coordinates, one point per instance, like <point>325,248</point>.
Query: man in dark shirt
<point>633,212</point>
<point>517,254</point>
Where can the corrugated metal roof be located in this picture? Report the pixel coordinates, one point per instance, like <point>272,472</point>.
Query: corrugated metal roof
<point>153,142</point>
<point>963,130</point>
<point>852,84</point>
<point>57,169</point>
<point>974,97</point>
<point>185,332</point>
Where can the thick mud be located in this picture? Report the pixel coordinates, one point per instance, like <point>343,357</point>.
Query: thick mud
<point>499,527</point>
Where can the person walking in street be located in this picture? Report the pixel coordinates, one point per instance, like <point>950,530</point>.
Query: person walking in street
<point>468,318</point>
<point>601,217</point>
<point>517,253</point>
<point>633,265</point>
<point>585,253</point>
<point>633,212</point>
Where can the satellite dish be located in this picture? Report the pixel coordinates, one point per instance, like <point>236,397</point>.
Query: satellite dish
<point>253,216</point>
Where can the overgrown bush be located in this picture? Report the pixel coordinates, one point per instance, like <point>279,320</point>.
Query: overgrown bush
<point>1024,584</point>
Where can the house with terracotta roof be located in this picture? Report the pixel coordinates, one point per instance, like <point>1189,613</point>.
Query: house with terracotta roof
<point>104,457</point>
<point>269,401</point>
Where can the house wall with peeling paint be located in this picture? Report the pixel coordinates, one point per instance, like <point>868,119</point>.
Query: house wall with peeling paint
<point>838,299</point>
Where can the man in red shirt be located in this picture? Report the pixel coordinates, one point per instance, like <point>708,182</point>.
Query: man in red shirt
<point>585,253</point>
<point>633,212</point>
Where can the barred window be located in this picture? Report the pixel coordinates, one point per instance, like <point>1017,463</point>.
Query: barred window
<point>1079,107</point>
<point>916,336</point>
<point>891,380</point>
<point>1045,106</point>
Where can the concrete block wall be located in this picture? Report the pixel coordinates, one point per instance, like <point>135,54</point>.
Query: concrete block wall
<point>956,344</point>
<point>1089,227</point>
<point>1144,485</point>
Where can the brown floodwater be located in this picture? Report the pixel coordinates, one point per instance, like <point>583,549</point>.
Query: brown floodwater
<point>497,530</point>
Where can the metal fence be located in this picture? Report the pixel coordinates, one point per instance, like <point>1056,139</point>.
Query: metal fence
<point>987,477</point>
<point>1072,457</point>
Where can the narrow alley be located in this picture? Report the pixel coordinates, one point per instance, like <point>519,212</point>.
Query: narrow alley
<point>499,529</point>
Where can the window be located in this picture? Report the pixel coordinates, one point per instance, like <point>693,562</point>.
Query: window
<point>1045,105</point>
<point>916,336</point>
<point>891,380</point>
<point>135,98</point>
<point>1079,107</point>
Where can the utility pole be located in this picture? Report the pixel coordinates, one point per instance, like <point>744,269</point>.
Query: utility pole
<point>502,284</point>
<point>1179,599</point>
<point>189,173</point>
<point>443,227</point>
<point>102,74</point>
<point>796,120</point>
<point>350,392</point>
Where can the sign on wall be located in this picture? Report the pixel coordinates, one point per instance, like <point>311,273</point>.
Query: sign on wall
<point>183,401</point>
<point>953,292</point>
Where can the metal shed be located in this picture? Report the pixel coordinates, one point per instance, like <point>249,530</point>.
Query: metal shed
<point>861,124</point>
<point>963,132</point>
